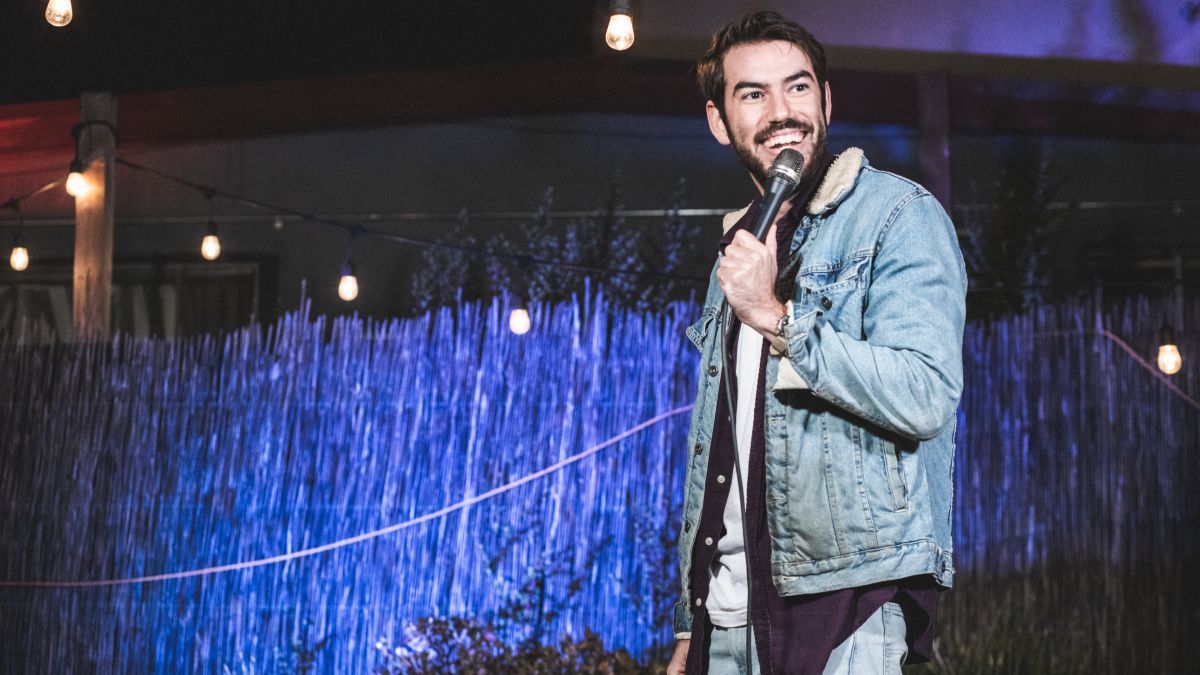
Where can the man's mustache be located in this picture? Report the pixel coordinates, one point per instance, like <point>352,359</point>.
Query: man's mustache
<point>776,127</point>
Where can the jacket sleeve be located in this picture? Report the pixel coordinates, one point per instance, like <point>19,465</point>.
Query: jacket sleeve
<point>906,376</point>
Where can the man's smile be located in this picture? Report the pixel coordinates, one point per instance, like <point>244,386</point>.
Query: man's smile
<point>784,139</point>
<point>786,134</point>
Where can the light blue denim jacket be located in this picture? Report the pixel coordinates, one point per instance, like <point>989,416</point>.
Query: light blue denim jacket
<point>860,408</point>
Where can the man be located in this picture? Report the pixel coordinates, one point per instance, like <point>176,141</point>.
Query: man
<point>845,356</point>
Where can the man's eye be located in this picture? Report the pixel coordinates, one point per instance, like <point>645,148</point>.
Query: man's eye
<point>752,95</point>
<point>800,87</point>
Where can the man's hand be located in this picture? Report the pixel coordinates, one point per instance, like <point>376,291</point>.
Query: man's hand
<point>747,276</point>
<point>679,658</point>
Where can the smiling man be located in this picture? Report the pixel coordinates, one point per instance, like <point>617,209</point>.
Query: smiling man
<point>845,360</point>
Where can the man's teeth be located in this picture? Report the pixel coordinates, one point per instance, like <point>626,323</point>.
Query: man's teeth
<point>783,140</point>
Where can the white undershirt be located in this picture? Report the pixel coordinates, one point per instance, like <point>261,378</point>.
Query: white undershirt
<point>727,586</point>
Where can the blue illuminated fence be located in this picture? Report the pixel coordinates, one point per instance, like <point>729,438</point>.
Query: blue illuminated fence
<point>138,457</point>
<point>141,457</point>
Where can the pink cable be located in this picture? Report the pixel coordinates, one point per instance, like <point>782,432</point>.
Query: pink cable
<point>359,538</point>
<point>1153,370</point>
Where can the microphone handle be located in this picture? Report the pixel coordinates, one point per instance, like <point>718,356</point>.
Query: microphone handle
<point>777,191</point>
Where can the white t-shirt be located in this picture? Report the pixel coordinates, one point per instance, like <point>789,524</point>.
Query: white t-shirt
<point>727,586</point>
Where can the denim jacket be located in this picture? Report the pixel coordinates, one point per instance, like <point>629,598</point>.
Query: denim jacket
<point>860,406</point>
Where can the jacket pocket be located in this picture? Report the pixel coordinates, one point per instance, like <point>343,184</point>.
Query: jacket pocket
<point>894,466</point>
<point>836,290</point>
<point>700,332</point>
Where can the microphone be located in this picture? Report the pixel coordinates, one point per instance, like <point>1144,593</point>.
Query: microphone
<point>782,179</point>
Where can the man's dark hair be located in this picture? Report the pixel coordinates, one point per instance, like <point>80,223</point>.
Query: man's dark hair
<point>751,28</point>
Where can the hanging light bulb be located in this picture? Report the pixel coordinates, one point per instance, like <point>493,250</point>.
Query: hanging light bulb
<point>348,286</point>
<point>210,246</point>
<point>77,183</point>
<point>619,35</point>
<point>518,321</point>
<point>19,259</point>
<point>59,13</point>
<point>1169,360</point>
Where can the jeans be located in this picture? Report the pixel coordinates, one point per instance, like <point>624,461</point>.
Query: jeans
<point>878,647</point>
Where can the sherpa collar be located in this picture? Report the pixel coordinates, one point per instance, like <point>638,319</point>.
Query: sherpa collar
<point>839,178</point>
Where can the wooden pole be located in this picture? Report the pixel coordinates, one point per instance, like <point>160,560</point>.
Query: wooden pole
<point>94,212</point>
<point>933,144</point>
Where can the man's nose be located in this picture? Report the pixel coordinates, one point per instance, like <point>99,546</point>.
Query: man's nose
<point>779,109</point>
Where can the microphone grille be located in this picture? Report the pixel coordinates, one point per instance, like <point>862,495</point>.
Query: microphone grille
<point>788,165</point>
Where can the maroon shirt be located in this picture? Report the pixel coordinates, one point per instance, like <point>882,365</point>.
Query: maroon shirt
<point>793,634</point>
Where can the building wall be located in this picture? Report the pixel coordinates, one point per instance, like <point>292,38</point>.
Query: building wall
<point>505,165</point>
<point>1138,31</point>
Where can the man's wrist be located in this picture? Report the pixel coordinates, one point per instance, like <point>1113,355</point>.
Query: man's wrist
<point>766,321</point>
<point>782,322</point>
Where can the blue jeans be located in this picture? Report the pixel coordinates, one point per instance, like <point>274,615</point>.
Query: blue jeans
<point>878,647</point>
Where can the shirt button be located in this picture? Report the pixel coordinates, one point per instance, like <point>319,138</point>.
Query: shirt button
<point>699,601</point>
<point>721,479</point>
<point>712,371</point>
<point>708,541</point>
<point>826,302</point>
<point>687,527</point>
<point>698,449</point>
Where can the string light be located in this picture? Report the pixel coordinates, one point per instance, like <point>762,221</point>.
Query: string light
<point>19,258</point>
<point>518,321</point>
<point>210,246</point>
<point>59,13</point>
<point>77,184</point>
<point>348,285</point>
<point>619,35</point>
<point>1169,360</point>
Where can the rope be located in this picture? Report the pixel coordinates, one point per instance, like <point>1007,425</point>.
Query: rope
<point>470,501</point>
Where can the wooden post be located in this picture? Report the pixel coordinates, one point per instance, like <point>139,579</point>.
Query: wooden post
<point>933,143</point>
<point>94,212</point>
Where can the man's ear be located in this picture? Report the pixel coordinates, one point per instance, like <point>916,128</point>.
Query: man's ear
<point>716,124</point>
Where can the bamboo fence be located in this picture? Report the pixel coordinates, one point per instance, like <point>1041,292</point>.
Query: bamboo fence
<point>1076,489</point>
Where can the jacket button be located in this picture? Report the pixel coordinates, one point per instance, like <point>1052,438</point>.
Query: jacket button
<point>698,449</point>
<point>721,479</point>
<point>708,541</point>
<point>712,371</point>
<point>699,601</point>
<point>826,302</point>
<point>687,527</point>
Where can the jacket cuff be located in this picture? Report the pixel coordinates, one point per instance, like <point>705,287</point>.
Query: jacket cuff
<point>794,335</point>
<point>682,623</point>
<point>778,343</point>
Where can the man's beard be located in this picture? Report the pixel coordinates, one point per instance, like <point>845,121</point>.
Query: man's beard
<point>761,171</point>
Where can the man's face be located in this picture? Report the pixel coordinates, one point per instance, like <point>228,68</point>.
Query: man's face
<point>772,102</point>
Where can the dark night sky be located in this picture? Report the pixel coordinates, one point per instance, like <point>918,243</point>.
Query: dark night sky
<point>145,45</point>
